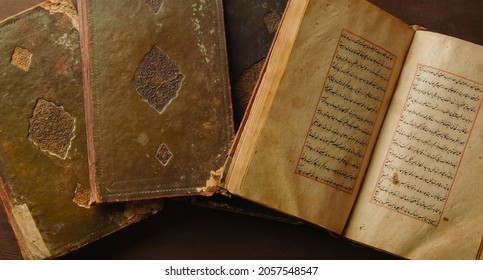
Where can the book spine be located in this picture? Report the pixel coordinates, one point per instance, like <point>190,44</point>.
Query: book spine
<point>86,75</point>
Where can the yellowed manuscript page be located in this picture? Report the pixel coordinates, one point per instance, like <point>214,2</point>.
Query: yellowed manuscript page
<point>423,193</point>
<point>318,109</point>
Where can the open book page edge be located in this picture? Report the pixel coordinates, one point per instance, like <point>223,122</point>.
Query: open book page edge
<point>278,53</point>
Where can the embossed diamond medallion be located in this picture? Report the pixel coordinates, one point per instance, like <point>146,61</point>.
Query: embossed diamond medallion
<point>163,154</point>
<point>21,58</point>
<point>157,79</point>
<point>51,128</point>
<point>82,196</point>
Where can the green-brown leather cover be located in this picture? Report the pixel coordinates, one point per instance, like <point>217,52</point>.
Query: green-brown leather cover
<point>43,155</point>
<point>157,96</point>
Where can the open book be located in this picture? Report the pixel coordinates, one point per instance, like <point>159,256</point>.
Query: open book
<point>370,129</point>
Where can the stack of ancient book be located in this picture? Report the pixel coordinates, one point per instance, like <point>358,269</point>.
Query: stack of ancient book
<point>353,121</point>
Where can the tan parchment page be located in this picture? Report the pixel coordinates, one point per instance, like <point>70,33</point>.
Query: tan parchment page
<point>323,95</point>
<point>422,197</point>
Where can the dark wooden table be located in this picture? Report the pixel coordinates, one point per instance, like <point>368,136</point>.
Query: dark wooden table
<point>184,231</point>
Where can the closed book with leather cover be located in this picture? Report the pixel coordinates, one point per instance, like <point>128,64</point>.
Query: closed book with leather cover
<point>43,157</point>
<point>157,96</point>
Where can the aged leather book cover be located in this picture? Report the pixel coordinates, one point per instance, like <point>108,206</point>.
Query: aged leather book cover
<point>44,182</point>
<point>157,96</point>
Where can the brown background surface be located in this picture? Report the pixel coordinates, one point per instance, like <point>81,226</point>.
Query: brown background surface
<point>184,231</point>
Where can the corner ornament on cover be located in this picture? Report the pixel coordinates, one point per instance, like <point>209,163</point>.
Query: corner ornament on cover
<point>21,58</point>
<point>158,79</point>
